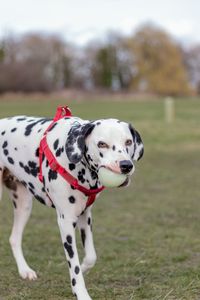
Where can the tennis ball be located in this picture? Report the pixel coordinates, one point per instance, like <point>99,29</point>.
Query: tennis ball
<point>109,178</point>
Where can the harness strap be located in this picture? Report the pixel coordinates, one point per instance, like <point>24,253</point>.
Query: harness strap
<point>44,151</point>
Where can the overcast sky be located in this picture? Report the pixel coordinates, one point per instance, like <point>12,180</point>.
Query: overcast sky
<point>81,20</point>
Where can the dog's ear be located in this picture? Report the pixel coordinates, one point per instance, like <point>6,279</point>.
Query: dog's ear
<point>138,144</point>
<point>75,144</point>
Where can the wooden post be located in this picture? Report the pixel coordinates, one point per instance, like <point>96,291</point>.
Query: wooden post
<point>169,110</point>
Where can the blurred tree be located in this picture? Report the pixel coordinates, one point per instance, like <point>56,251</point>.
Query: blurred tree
<point>2,53</point>
<point>105,66</point>
<point>158,63</point>
<point>34,63</point>
<point>191,57</point>
<point>149,61</point>
<point>112,63</point>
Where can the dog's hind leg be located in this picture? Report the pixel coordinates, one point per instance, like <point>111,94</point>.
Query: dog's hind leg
<point>22,201</point>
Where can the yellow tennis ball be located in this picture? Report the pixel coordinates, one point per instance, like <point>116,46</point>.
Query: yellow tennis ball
<point>109,178</point>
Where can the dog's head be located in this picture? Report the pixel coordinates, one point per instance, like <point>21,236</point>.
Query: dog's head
<point>106,143</point>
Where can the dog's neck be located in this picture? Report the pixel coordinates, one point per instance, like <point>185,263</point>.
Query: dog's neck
<point>90,176</point>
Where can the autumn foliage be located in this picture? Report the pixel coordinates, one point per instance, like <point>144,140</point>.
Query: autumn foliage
<point>149,61</point>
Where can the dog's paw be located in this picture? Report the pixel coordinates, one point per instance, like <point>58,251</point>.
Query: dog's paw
<point>28,274</point>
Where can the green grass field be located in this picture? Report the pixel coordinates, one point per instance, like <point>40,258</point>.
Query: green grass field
<point>147,236</point>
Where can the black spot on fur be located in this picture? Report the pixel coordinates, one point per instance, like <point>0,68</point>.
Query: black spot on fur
<point>40,199</point>
<point>21,119</point>
<point>3,132</point>
<point>72,199</point>
<point>69,239</point>
<point>59,152</point>
<point>21,164</point>
<point>74,224</point>
<point>5,144</point>
<point>73,282</point>
<point>29,127</point>
<point>114,148</point>
<point>101,154</point>
<point>55,144</point>
<point>5,151</point>
<point>89,157</point>
<point>16,149</point>
<point>52,175</point>
<point>77,269</point>
<point>69,250</point>
<point>31,185</point>
<point>14,129</point>
<point>37,152</point>
<point>93,175</point>
<point>31,168</point>
<point>26,169</point>
<point>80,177</point>
<point>98,123</point>
<point>15,205</point>
<point>32,191</point>
<point>89,221</point>
<point>32,164</point>
<point>72,166</point>
<point>24,183</point>
<point>10,160</point>
<point>83,236</point>
<point>69,264</point>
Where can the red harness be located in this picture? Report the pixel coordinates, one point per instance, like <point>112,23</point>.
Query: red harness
<point>44,150</point>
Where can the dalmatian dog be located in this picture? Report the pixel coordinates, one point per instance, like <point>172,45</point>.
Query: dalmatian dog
<point>81,147</point>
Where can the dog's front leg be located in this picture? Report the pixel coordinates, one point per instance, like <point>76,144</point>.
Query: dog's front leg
<point>67,230</point>
<point>85,227</point>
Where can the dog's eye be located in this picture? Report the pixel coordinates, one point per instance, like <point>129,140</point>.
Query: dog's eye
<point>102,145</point>
<point>128,142</point>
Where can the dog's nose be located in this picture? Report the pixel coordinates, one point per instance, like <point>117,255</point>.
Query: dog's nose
<point>126,166</point>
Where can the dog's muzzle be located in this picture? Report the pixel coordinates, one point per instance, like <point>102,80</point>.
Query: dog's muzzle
<point>125,166</point>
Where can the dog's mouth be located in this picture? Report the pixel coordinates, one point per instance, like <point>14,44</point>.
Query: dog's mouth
<point>117,172</point>
<point>114,170</point>
<point>126,182</point>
